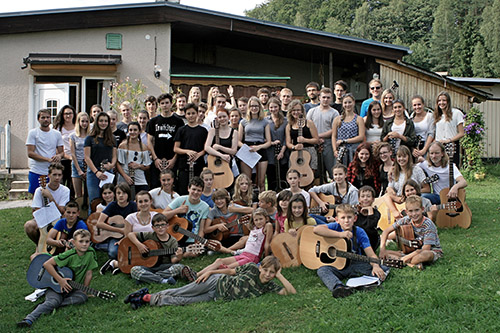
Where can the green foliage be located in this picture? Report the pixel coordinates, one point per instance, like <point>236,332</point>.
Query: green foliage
<point>490,31</point>
<point>480,62</point>
<point>473,143</point>
<point>443,36</point>
<point>464,48</point>
<point>128,90</point>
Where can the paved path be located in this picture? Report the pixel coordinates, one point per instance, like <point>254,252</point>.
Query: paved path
<point>14,204</point>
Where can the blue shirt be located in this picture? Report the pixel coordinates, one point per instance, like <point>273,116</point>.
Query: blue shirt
<point>364,107</point>
<point>361,236</point>
<point>62,226</point>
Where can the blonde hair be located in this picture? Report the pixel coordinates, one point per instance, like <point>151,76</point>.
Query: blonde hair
<point>345,209</point>
<point>268,196</point>
<point>82,233</point>
<point>258,211</point>
<point>238,196</point>
<point>261,109</point>
<point>271,261</point>
<point>414,199</point>
<point>78,129</point>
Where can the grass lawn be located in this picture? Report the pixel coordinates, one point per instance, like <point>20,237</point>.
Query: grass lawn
<point>459,293</point>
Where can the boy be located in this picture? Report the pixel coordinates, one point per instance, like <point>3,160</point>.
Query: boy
<point>190,207</point>
<point>245,281</point>
<point>267,201</point>
<point>368,216</point>
<point>190,147</point>
<point>126,110</point>
<point>344,227</point>
<point>339,89</point>
<point>167,268</point>
<point>151,106</point>
<point>82,260</point>
<point>117,133</point>
<point>161,133</point>
<point>293,179</point>
<point>53,192</point>
<point>67,225</point>
<point>263,94</point>
<point>423,228</point>
<point>286,97</point>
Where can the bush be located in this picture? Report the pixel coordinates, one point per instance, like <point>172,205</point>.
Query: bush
<point>473,143</point>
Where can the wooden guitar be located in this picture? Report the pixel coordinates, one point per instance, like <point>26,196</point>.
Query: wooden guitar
<point>331,204</point>
<point>177,230</point>
<point>83,202</point>
<point>405,238</point>
<point>99,235</point>
<point>55,250</point>
<point>462,217</point>
<point>220,235</point>
<point>39,278</point>
<point>285,247</point>
<point>130,256</point>
<point>316,251</point>
<point>223,176</point>
<point>300,160</point>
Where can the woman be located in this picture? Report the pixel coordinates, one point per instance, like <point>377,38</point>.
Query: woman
<point>212,94</point>
<point>449,123</point>
<point>277,152</point>
<point>100,154</point>
<point>133,154</point>
<point>65,123</point>
<point>254,131</point>
<point>234,118</point>
<point>94,111</point>
<point>374,122</point>
<point>384,153</point>
<point>363,170</point>
<point>399,130</point>
<point>387,104</point>
<point>425,128</point>
<point>141,220</point>
<point>142,119</point>
<point>194,95</point>
<point>348,130</point>
<point>76,142</point>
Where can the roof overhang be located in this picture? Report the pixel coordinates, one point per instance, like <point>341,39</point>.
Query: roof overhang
<point>52,61</point>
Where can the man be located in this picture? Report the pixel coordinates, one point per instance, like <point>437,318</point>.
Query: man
<point>339,89</point>
<point>376,92</point>
<point>44,146</point>
<point>126,110</point>
<point>323,116</point>
<point>286,96</point>
<point>312,89</point>
<point>263,94</point>
<point>180,102</point>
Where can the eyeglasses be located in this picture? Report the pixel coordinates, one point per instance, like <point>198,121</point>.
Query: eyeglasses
<point>162,225</point>
<point>375,88</point>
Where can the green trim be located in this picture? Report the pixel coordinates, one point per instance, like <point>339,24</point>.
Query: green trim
<point>233,77</point>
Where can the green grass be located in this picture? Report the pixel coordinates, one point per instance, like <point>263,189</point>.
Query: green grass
<point>459,293</point>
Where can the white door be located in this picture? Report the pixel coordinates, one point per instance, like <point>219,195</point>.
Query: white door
<point>50,96</point>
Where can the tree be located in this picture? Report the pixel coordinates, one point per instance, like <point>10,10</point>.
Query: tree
<point>443,36</point>
<point>480,62</point>
<point>490,31</point>
<point>463,51</point>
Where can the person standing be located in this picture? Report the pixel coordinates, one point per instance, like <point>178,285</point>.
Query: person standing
<point>126,110</point>
<point>312,89</point>
<point>65,123</point>
<point>376,91</point>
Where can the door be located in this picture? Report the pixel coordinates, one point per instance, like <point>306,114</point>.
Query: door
<point>50,96</point>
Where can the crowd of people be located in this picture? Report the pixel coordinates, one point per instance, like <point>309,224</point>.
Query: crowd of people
<point>140,173</point>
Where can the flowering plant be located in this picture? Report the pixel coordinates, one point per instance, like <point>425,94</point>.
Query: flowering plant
<point>133,91</point>
<point>473,143</point>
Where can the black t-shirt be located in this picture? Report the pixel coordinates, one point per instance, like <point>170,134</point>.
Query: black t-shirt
<point>98,151</point>
<point>164,131</point>
<point>369,224</point>
<point>119,136</point>
<point>114,209</point>
<point>191,138</point>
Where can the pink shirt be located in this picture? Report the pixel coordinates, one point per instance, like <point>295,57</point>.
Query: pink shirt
<point>255,242</point>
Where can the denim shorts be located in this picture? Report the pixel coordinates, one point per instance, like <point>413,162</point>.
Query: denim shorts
<point>74,172</point>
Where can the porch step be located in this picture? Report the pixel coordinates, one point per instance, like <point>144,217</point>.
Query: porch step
<point>20,185</point>
<point>15,194</point>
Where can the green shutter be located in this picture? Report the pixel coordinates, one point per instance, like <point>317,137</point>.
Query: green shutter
<point>113,41</point>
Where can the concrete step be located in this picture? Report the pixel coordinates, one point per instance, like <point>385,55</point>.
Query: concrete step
<point>20,185</point>
<point>16,194</point>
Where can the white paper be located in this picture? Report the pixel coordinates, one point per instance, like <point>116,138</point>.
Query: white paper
<point>46,215</point>
<point>234,169</point>
<point>364,280</point>
<point>250,158</point>
<point>110,178</point>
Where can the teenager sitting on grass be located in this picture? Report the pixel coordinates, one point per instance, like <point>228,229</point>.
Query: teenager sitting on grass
<point>68,225</point>
<point>229,284</point>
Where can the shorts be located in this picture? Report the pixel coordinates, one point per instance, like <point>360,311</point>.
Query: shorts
<point>34,180</point>
<point>261,152</point>
<point>246,258</point>
<point>74,172</point>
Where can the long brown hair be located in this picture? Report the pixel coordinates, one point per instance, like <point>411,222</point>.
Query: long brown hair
<point>403,150</point>
<point>438,113</point>
<point>281,117</point>
<point>109,139</point>
<point>289,214</point>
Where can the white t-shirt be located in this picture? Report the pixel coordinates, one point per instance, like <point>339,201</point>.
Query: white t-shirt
<point>137,226</point>
<point>448,129</point>
<point>417,175</point>
<point>46,144</point>
<point>400,129</point>
<point>322,119</point>
<point>61,196</point>
<point>306,196</point>
<point>161,199</point>
<point>373,134</point>
<point>65,136</point>
<point>425,127</point>
<point>443,173</point>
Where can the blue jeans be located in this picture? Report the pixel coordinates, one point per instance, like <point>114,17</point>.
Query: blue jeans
<point>320,219</point>
<point>433,197</point>
<point>93,185</point>
<point>109,246</point>
<point>332,277</point>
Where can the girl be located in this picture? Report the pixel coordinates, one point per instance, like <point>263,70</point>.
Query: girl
<point>194,95</point>
<point>449,123</point>
<point>164,194</point>
<point>363,170</point>
<point>208,179</point>
<point>384,153</point>
<point>107,196</point>
<point>347,130</point>
<point>142,119</point>
<point>234,118</point>
<point>293,179</point>
<point>112,219</point>
<point>283,201</point>
<point>133,154</point>
<point>309,132</point>
<point>100,154</point>
<point>387,104</point>
<point>399,130</point>
<point>65,123</point>
<point>277,157</point>
<point>425,128</point>
<point>296,215</point>
<point>243,200</point>
<point>374,122</point>
<point>151,106</point>
<point>412,188</point>
<point>76,142</point>
<point>254,131</point>
<point>259,238</point>
<point>212,94</point>
<point>94,111</point>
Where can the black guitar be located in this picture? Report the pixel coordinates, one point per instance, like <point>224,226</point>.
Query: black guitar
<point>279,182</point>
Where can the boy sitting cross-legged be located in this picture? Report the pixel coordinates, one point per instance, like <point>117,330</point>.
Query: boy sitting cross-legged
<point>81,259</point>
<point>245,281</point>
<point>344,227</point>
<point>67,225</point>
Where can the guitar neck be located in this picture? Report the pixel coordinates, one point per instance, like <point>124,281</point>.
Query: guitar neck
<point>217,136</point>
<point>190,234</point>
<point>84,288</point>
<point>163,252</point>
<point>357,257</point>
<point>450,173</point>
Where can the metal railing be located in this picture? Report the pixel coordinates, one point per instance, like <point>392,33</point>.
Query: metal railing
<point>5,146</point>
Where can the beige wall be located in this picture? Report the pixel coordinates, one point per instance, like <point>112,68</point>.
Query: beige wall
<point>16,84</point>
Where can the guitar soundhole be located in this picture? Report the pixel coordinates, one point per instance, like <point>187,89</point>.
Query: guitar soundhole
<point>218,162</point>
<point>300,161</point>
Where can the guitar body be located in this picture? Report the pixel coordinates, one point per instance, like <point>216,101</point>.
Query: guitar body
<point>314,250</point>
<point>405,232</point>
<point>84,206</point>
<point>54,250</point>
<point>223,176</point>
<point>285,247</point>
<point>217,234</point>
<point>99,235</point>
<point>94,203</point>
<point>300,161</point>
<point>129,256</point>
<point>182,223</point>
<point>386,218</point>
<point>461,218</point>
<point>39,278</point>
<point>330,199</point>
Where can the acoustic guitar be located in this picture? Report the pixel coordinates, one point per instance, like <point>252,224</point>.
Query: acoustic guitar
<point>316,251</point>
<point>220,235</point>
<point>177,230</point>
<point>342,149</point>
<point>462,217</point>
<point>405,238</point>
<point>55,250</point>
<point>98,235</point>
<point>300,160</point>
<point>130,256</point>
<point>285,247</point>
<point>279,181</point>
<point>38,277</point>
<point>223,176</point>
<point>331,203</point>
<point>321,166</point>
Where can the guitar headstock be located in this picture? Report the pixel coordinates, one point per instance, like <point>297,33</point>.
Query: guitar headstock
<point>84,167</point>
<point>341,152</point>
<point>106,295</point>
<point>163,164</point>
<point>277,148</point>
<point>453,205</point>
<point>450,149</point>
<point>42,181</point>
<point>396,263</point>
<point>245,219</point>
<point>103,163</point>
<point>195,248</point>
<point>301,122</point>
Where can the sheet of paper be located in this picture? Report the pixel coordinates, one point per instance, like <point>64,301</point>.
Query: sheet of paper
<point>46,215</point>
<point>107,180</point>
<point>362,281</point>
<point>250,158</point>
<point>234,169</point>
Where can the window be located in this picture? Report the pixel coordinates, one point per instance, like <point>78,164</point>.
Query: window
<point>114,41</point>
<point>53,106</point>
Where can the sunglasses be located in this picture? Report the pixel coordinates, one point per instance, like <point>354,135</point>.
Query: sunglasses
<point>375,88</point>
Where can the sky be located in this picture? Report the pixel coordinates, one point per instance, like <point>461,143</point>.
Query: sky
<point>228,6</point>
